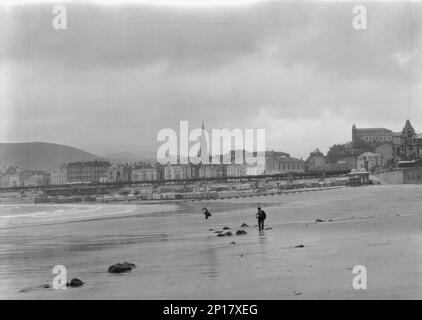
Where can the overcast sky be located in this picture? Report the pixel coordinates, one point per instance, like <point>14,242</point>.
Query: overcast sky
<point>119,74</point>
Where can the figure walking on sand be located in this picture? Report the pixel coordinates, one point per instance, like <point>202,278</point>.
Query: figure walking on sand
<point>206,213</point>
<point>261,216</point>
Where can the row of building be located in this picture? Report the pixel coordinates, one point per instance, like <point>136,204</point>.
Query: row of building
<point>100,171</point>
<point>103,171</point>
<point>17,177</point>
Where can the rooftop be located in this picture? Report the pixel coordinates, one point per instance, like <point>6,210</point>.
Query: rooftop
<point>284,159</point>
<point>373,129</point>
<point>90,163</point>
<point>143,166</point>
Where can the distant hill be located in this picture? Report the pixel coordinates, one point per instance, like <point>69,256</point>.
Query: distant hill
<point>40,155</point>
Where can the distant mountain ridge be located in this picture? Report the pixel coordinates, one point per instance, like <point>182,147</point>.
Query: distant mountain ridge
<point>40,155</point>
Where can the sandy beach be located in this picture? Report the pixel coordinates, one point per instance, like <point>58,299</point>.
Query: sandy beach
<point>178,257</point>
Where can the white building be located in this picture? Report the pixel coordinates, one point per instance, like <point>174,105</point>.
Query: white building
<point>145,173</point>
<point>255,170</point>
<point>36,180</point>
<point>236,170</point>
<point>11,177</point>
<point>180,172</point>
<point>369,161</point>
<point>281,165</point>
<point>58,177</point>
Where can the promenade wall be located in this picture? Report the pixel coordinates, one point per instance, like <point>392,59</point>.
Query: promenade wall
<point>403,176</point>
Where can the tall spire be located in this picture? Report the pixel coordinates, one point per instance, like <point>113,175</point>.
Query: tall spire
<point>408,129</point>
<point>203,149</point>
<point>354,132</point>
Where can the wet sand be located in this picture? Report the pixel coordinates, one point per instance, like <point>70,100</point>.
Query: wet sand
<point>177,257</point>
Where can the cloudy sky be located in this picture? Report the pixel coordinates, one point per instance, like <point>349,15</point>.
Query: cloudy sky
<point>120,73</point>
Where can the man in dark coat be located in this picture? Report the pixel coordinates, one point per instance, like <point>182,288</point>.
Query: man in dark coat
<point>261,216</point>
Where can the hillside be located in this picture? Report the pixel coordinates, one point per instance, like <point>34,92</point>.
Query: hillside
<point>40,155</point>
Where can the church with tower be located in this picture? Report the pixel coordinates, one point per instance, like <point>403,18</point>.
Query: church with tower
<point>405,146</point>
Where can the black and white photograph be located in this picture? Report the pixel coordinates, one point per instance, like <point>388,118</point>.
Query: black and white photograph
<point>204,150</point>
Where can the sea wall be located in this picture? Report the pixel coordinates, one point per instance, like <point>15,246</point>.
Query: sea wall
<point>412,175</point>
<point>391,177</point>
<point>404,176</point>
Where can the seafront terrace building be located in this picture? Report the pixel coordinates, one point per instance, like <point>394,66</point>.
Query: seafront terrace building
<point>11,177</point>
<point>236,170</point>
<point>284,165</point>
<point>145,173</point>
<point>211,171</point>
<point>86,171</point>
<point>278,164</point>
<point>120,173</point>
<point>36,180</point>
<point>58,177</point>
<point>180,171</point>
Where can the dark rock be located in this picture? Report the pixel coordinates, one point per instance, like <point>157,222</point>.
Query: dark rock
<point>300,246</point>
<point>226,228</point>
<point>211,229</point>
<point>240,232</point>
<point>41,286</point>
<point>319,220</point>
<point>268,228</point>
<point>74,283</point>
<point>218,231</point>
<point>232,242</point>
<point>244,225</point>
<point>220,234</point>
<point>228,234</point>
<point>132,265</point>
<point>121,267</point>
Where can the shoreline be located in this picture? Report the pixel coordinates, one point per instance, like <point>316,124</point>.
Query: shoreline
<point>173,201</point>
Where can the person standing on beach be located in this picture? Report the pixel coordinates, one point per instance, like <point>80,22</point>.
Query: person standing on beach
<point>206,213</point>
<point>261,216</point>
